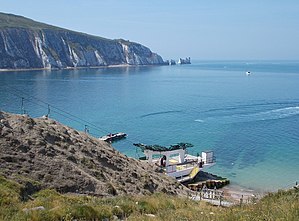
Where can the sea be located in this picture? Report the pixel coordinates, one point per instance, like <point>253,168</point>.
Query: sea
<point>251,122</point>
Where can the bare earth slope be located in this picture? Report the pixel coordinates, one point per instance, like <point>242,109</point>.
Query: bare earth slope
<point>43,153</point>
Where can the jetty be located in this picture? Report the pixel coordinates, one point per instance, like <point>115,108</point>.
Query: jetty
<point>175,162</point>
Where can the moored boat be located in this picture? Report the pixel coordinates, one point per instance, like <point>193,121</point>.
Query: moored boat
<point>113,137</point>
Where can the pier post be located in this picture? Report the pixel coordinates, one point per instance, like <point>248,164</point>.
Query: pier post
<point>49,110</point>
<point>241,200</point>
<point>86,130</point>
<point>220,199</point>
<point>23,108</point>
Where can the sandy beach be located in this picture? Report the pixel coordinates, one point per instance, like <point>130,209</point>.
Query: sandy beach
<point>237,194</point>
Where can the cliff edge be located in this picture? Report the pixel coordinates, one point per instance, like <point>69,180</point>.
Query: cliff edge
<point>42,153</point>
<point>25,44</point>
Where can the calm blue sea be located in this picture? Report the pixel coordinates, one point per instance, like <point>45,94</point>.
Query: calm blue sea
<point>251,122</point>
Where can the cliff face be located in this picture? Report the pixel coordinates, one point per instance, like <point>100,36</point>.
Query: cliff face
<point>43,153</point>
<point>37,45</point>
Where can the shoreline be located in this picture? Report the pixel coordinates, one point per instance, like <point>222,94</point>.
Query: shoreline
<point>78,68</point>
<point>232,191</point>
<point>236,193</point>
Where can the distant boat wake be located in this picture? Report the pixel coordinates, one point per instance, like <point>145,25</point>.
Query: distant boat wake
<point>259,116</point>
<point>277,113</point>
<point>159,113</point>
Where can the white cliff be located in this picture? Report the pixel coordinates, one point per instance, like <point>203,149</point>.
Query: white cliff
<point>44,46</point>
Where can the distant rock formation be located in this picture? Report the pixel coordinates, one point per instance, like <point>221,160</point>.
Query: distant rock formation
<point>25,43</point>
<point>42,153</point>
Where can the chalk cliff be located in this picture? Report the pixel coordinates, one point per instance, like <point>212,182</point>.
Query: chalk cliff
<point>25,43</point>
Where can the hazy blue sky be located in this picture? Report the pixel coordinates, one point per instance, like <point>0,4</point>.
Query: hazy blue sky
<point>214,29</point>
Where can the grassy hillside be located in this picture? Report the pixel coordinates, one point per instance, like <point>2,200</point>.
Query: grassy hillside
<point>50,205</point>
<point>16,21</point>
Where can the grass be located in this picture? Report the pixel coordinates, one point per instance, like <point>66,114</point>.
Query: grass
<point>16,21</point>
<point>283,205</point>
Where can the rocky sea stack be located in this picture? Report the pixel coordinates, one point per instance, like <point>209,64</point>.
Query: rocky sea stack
<point>25,44</point>
<point>42,153</point>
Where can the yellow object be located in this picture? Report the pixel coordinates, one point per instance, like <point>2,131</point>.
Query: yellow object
<point>179,167</point>
<point>193,172</point>
<point>173,161</point>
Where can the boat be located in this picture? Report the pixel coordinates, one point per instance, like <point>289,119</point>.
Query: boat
<point>174,160</point>
<point>248,73</point>
<point>113,137</point>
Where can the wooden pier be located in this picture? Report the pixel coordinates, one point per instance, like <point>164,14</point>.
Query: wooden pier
<point>213,196</point>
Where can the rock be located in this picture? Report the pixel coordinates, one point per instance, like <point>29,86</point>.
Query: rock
<point>150,215</point>
<point>33,209</point>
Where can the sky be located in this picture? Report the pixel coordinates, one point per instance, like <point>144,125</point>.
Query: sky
<point>201,29</point>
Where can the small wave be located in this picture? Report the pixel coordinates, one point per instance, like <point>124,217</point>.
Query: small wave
<point>199,120</point>
<point>267,115</point>
<point>278,113</point>
<point>159,113</point>
<point>250,106</point>
<point>274,114</point>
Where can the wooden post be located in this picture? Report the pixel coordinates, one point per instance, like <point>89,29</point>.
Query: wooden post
<point>215,191</point>
<point>23,108</point>
<point>241,200</point>
<point>49,110</point>
<point>220,199</point>
<point>86,130</point>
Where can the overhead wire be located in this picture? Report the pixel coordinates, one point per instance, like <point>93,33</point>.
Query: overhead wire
<point>53,109</point>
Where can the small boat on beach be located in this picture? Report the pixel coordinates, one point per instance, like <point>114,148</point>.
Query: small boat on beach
<point>175,161</point>
<point>113,137</point>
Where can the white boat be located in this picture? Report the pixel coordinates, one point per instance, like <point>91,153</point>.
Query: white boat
<point>248,73</point>
<point>175,161</point>
<point>113,137</point>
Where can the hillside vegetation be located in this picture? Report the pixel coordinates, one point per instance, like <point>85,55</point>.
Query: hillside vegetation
<point>16,21</point>
<point>50,205</point>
